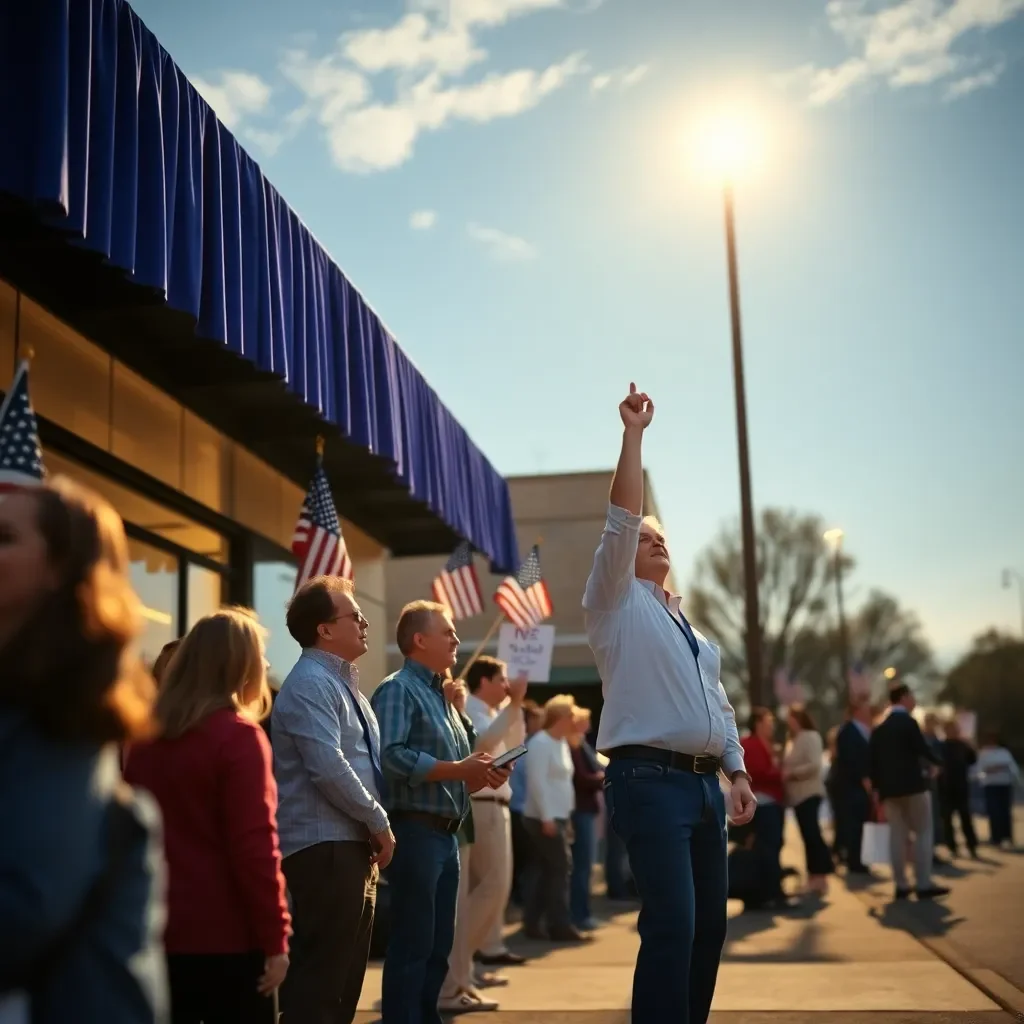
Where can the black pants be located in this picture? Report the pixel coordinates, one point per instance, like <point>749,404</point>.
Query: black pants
<point>769,823</point>
<point>958,804</point>
<point>218,989</point>
<point>857,808</point>
<point>522,853</point>
<point>999,805</point>
<point>333,889</point>
<point>547,883</point>
<point>819,860</point>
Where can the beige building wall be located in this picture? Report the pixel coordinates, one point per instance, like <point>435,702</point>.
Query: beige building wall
<point>566,512</point>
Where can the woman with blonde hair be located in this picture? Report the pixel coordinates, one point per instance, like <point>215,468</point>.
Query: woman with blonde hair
<point>550,801</point>
<point>211,772</point>
<point>805,790</point>
<point>79,861</point>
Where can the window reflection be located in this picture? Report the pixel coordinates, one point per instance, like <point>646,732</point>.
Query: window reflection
<point>273,585</point>
<point>154,576</point>
<point>204,593</point>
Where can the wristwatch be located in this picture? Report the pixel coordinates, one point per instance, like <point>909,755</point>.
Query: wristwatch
<point>740,774</point>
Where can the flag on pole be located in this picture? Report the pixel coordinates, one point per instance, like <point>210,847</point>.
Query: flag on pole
<point>458,586</point>
<point>317,542</point>
<point>860,680</point>
<point>524,598</point>
<point>787,690</point>
<point>21,457</point>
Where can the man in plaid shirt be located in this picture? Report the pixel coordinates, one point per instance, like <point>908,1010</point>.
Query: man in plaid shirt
<point>430,770</point>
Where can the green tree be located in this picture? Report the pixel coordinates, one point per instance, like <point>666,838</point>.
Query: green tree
<point>989,680</point>
<point>799,626</point>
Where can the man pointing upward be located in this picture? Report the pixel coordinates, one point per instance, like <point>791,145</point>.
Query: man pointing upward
<point>669,730</point>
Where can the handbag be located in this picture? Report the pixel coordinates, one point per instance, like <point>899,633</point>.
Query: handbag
<point>874,844</point>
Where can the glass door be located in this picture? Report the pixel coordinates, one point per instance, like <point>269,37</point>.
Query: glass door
<point>155,575</point>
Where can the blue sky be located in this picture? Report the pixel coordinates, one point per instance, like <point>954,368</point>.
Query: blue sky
<point>507,183</point>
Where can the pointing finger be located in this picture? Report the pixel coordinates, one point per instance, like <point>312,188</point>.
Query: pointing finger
<point>632,388</point>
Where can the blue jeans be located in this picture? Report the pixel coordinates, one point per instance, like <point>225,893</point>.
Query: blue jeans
<point>673,825</point>
<point>423,879</point>
<point>584,853</point>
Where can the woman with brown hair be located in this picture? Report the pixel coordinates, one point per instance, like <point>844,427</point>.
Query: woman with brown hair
<point>805,789</point>
<point>79,920</point>
<point>211,772</point>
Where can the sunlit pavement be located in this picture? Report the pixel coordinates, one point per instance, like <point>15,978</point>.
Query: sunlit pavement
<point>837,960</point>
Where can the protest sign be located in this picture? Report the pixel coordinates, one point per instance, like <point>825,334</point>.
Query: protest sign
<point>527,651</point>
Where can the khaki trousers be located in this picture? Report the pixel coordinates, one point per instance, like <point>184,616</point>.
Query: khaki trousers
<point>485,881</point>
<point>911,816</point>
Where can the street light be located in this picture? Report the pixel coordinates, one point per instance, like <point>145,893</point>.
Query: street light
<point>729,145</point>
<point>1008,576</point>
<point>834,538</point>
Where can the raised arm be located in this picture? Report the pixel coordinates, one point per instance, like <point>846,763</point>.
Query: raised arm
<point>613,563</point>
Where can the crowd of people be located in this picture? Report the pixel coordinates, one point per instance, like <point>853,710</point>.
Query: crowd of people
<point>180,845</point>
<point>210,851</point>
<point>879,766</point>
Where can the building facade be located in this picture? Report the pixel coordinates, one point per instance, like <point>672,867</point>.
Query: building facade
<point>566,513</point>
<point>189,341</point>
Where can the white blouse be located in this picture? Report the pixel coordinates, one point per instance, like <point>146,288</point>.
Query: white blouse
<point>549,791</point>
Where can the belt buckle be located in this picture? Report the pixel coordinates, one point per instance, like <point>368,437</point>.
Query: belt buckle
<point>702,760</point>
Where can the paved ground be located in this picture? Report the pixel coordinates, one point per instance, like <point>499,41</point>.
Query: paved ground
<point>843,960</point>
<point>980,925</point>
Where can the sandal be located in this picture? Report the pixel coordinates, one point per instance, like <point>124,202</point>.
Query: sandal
<point>465,1002</point>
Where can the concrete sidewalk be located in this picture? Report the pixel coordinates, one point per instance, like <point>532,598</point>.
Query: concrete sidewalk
<point>824,958</point>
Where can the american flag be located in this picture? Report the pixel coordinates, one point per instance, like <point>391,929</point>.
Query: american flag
<point>524,598</point>
<point>458,587</point>
<point>21,458</point>
<point>860,680</point>
<point>317,543</point>
<point>787,690</point>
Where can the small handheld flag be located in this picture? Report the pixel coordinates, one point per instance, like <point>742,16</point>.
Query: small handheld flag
<point>524,598</point>
<point>457,587</point>
<point>21,456</point>
<point>317,542</point>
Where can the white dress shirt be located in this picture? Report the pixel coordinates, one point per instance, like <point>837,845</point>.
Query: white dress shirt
<point>549,792</point>
<point>655,692</point>
<point>496,732</point>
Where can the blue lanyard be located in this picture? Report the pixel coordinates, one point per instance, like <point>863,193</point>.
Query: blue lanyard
<point>684,625</point>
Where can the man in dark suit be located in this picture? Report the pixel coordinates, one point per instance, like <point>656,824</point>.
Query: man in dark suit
<point>851,782</point>
<point>897,749</point>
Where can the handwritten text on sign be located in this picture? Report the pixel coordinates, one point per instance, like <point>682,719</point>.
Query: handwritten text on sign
<point>527,650</point>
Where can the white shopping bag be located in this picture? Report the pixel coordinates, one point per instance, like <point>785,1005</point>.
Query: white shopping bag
<point>874,846</point>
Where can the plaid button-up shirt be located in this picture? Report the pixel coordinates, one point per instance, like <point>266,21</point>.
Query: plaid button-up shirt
<point>418,728</point>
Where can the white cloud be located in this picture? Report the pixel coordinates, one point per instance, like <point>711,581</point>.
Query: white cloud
<point>501,245</point>
<point>422,220</point>
<point>237,95</point>
<point>904,43</point>
<point>379,136</point>
<point>620,78</point>
<point>971,83</point>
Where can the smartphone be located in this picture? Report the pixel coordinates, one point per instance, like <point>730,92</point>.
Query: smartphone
<point>509,757</point>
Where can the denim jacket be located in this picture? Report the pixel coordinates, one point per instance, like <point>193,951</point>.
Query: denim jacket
<point>55,803</point>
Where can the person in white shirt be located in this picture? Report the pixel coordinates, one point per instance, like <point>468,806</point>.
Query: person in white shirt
<point>668,730</point>
<point>495,709</point>
<point>999,774</point>
<point>550,799</point>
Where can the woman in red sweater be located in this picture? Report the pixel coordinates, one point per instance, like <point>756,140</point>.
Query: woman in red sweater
<point>766,782</point>
<point>211,773</point>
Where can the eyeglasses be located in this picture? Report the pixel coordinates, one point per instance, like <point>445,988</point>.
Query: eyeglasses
<point>354,616</point>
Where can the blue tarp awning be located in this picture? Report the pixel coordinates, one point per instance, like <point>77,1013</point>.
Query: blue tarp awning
<point>105,143</point>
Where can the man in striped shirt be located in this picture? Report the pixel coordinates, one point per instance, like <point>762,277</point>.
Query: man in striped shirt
<point>430,770</point>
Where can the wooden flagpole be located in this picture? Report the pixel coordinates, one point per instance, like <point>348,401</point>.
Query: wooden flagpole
<point>499,619</point>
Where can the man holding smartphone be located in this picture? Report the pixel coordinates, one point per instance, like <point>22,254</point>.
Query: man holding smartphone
<point>668,730</point>
<point>494,707</point>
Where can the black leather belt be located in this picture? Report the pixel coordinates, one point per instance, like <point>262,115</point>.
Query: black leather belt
<point>435,821</point>
<point>700,764</point>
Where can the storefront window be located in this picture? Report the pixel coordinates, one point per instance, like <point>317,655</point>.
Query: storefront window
<point>154,575</point>
<point>273,585</point>
<point>204,593</point>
